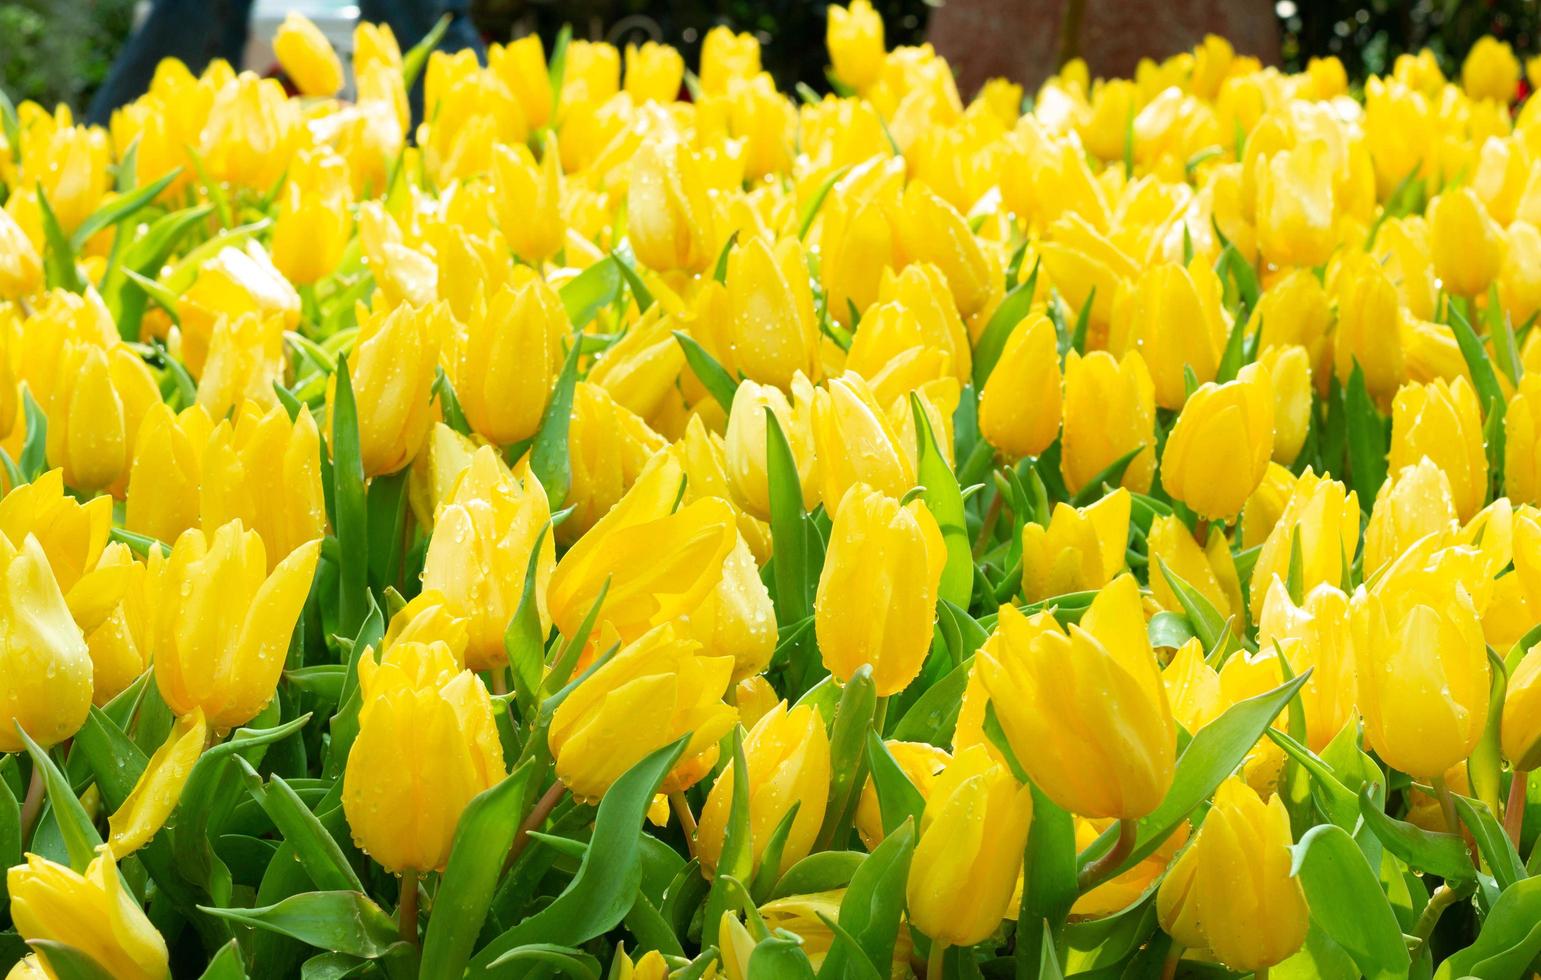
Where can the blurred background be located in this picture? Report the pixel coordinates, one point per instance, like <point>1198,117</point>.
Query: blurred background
<point>61,50</point>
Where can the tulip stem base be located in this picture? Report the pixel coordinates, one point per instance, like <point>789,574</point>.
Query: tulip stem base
<point>1094,873</point>
<point>1444,896</point>
<point>1174,956</point>
<point>936,962</point>
<point>537,817</point>
<point>406,910</point>
<point>687,819</point>
<point>1452,822</point>
<point>1514,806</point>
<point>33,804</point>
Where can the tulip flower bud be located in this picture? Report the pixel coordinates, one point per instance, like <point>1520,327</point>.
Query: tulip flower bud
<point>1019,426</point>
<point>1295,206</point>
<point>93,913</point>
<point>158,790</point>
<point>21,268</point>
<point>1289,371</point>
<point>45,683</point>
<point>1468,245</point>
<point>1366,334</point>
<point>1411,504</point>
<point>70,166</point>
<point>1208,568</point>
<point>1192,687</point>
<point>265,470</point>
<point>394,364</point>
<point>315,217</point>
<point>774,332</point>
<point>1442,421</point>
<point>162,496</point>
<point>1081,549</point>
<point>1177,902</point>
<point>670,220</point>
<point>654,72</point>
<point>855,41</point>
<point>856,239</point>
<point>1110,409</point>
<point>654,691</point>
<point>931,230</point>
<point>234,283</point>
<point>921,763</point>
<point>521,64</point>
<point>228,665</point>
<point>737,619</point>
<point>306,56</point>
<point>888,560</point>
<point>660,563</point>
<point>529,199</point>
<point>1174,319</point>
<point>119,644</point>
<point>968,857</point>
<point>1522,442</point>
<point>1520,734</point>
<point>745,444</point>
<point>607,447</point>
<point>1096,695</point>
<point>1490,70</point>
<point>1200,464</point>
<point>1422,665</point>
<point>1325,515</point>
<point>1319,629</point>
<point>427,744</point>
<point>480,550</point>
<point>1294,311</point>
<point>251,134</point>
<point>726,56</point>
<point>787,752</point>
<point>505,362</point>
<point>1079,258</point>
<point>94,414</point>
<point>856,443</point>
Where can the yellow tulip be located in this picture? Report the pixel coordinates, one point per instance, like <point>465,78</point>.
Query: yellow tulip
<point>483,535</point>
<point>232,284</point>
<point>1422,664</point>
<point>95,412</point>
<point>745,445</point>
<point>856,238</point>
<point>737,619</point>
<point>607,447</point>
<point>45,687</point>
<point>69,166</point>
<point>659,563</point>
<point>1095,696</point>
<point>921,763</point>
<point>930,230</point>
<point>1411,504</point>
<point>392,371</point>
<point>1468,245</point>
<point>1323,643</point>
<point>726,56</point>
<point>21,267</point>
<point>854,37</point>
<point>1250,908</point>
<point>886,559</point>
<point>670,220</point>
<point>315,217</point>
<point>1294,311</point>
<point>1325,515</point>
<point>73,534</point>
<point>159,788</point>
<point>251,134</point>
<point>774,332</point>
<point>245,359</point>
<point>1177,902</point>
<point>1490,71</point>
<point>1174,319</point>
<point>654,72</point>
<point>1015,425</point>
<point>1208,568</point>
<point>653,692</point>
<point>1442,421</point>
<point>855,442</point>
<point>1520,735</point>
<point>1078,258</point>
<point>529,199</point>
<point>1295,206</point>
<point>1522,442</point>
<point>162,495</point>
<point>1081,549</point>
<point>1122,891</point>
<point>265,470</point>
<point>94,913</point>
<point>1110,410</point>
<point>1519,279</point>
<point>507,359</point>
<point>306,56</point>
<point>1192,687</point>
<point>118,643</point>
<point>787,752</point>
<point>521,64</point>
<point>969,853</point>
<point>1218,451</point>
<point>1289,371</point>
<point>1367,334</point>
<point>427,744</point>
<point>228,665</point>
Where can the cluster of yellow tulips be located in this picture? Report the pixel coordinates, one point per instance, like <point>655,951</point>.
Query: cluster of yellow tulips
<point>640,523</point>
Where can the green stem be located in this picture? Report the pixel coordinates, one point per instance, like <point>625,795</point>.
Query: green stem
<point>686,818</point>
<point>537,817</point>
<point>1444,896</point>
<point>33,804</point>
<point>406,910</point>
<point>1514,807</point>
<point>1169,965</point>
<point>1094,873</point>
<point>1452,822</point>
<point>935,963</point>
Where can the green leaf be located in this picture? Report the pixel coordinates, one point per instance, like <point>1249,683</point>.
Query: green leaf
<point>226,964</point>
<point>1483,378</point>
<point>770,856</point>
<point>412,64</point>
<point>1337,801</point>
<point>120,209</point>
<point>563,960</point>
<point>1211,756</point>
<point>1347,902</point>
<point>1367,440</point>
<point>793,569</point>
<point>1112,475</point>
<point>720,271</point>
<point>80,837</point>
<point>945,502</point>
<point>1049,887</point>
<point>385,504</point>
<point>524,640</point>
<point>322,857</point>
<point>874,902</point>
<point>1494,844</point>
<point>68,963</point>
<point>898,799</point>
<point>639,290</point>
<point>934,715</point>
<point>736,859</point>
<point>601,893</point>
<point>1083,322</point>
<point>59,270</point>
<point>1444,855</point>
<point>1169,630</point>
<point>780,958</point>
<point>1207,623</point>
<point>712,374</point>
<point>115,761</point>
<point>10,835</point>
<point>811,210</point>
<point>341,921</point>
<point>1509,940</point>
<point>847,755</point>
<point>34,455</point>
<point>853,959</point>
<point>819,872</point>
<point>1013,309</point>
<point>351,518</point>
<point>590,291</point>
<point>556,68</point>
<point>548,456</point>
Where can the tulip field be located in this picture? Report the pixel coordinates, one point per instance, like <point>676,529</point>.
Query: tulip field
<point>639,523</point>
